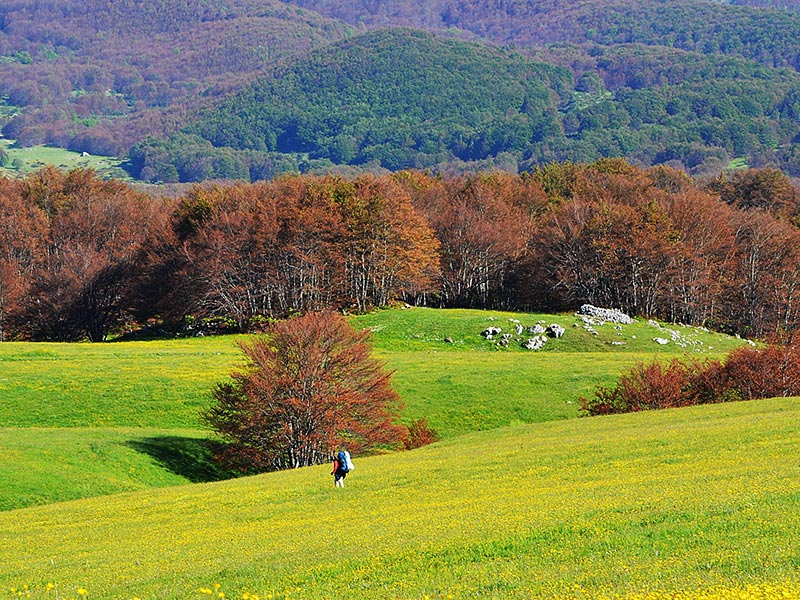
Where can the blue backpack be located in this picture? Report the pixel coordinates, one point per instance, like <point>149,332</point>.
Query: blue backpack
<point>343,462</point>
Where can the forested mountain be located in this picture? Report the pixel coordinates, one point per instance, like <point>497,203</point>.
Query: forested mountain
<point>395,98</point>
<point>400,98</point>
<point>98,75</point>
<point>194,90</point>
<point>768,36</point>
<point>785,4</point>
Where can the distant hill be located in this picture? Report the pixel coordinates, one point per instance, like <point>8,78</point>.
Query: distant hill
<point>401,98</point>
<point>768,36</point>
<point>247,89</point>
<point>98,75</point>
<point>785,4</point>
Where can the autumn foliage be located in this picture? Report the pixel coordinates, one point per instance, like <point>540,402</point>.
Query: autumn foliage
<point>419,434</point>
<point>84,258</point>
<point>310,387</point>
<point>748,373</point>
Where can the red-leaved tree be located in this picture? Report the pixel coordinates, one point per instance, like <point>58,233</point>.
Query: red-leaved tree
<point>310,386</point>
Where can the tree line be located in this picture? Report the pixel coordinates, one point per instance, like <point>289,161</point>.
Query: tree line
<point>84,258</point>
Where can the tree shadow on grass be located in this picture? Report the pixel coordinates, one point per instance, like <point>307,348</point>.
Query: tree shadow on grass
<point>192,458</point>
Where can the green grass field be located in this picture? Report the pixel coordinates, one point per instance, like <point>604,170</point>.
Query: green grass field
<point>146,384</point>
<point>22,161</point>
<point>687,500</point>
<point>85,393</point>
<point>109,490</point>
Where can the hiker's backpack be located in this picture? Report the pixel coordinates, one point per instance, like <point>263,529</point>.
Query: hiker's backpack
<point>344,460</point>
<point>348,461</point>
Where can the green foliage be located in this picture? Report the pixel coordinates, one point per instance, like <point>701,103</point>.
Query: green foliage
<point>399,97</point>
<point>396,98</point>
<point>686,82</point>
<point>670,105</point>
<point>188,158</point>
<point>102,75</point>
<point>767,36</point>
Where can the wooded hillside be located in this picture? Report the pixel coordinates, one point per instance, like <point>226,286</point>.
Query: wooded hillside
<point>400,98</point>
<point>766,35</point>
<point>247,90</point>
<point>85,258</point>
<point>99,75</point>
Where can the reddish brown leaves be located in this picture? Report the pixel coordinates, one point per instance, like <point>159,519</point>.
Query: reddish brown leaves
<point>310,387</point>
<point>748,374</point>
<point>81,257</point>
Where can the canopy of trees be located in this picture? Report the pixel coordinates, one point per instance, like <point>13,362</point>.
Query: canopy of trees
<point>400,99</point>
<point>82,258</point>
<point>704,26</point>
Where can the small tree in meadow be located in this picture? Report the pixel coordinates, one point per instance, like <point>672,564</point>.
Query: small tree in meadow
<point>309,387</point>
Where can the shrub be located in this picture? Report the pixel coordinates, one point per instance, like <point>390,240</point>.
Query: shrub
<point>647,387</point>
<point>419,434</point>
<point>747,374</point>
<point>764,372</point>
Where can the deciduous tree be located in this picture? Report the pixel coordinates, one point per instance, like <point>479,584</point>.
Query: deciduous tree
<point>95,232</point>
<point>310,386</point>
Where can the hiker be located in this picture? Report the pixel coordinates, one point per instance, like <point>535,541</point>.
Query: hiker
<point>341,466</point>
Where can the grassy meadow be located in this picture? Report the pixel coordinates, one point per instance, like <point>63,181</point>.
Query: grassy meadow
<point>25,160</point>
<point>683,500</point>
<point>124,416</point>
<point>109,490</point>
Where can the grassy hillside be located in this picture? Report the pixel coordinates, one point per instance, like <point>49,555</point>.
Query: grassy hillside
<point>146,384</point>
<point>655,502</point>
<point>165,383</point>
<point>22,161</point>
<point>471,383</point>
<point>124,416</point>
<point>46,464</point>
